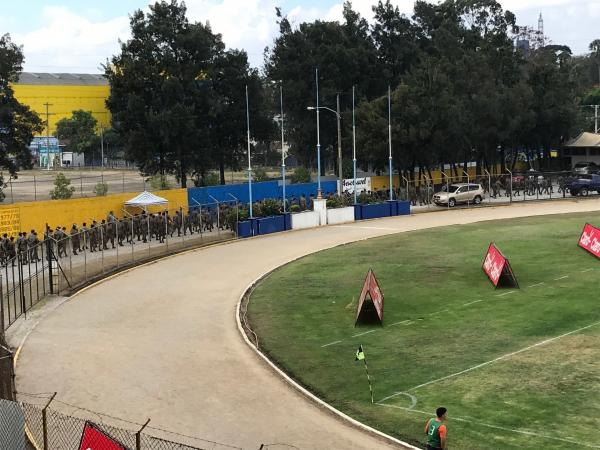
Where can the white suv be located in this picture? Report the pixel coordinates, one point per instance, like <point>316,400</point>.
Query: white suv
<point>459,193</point>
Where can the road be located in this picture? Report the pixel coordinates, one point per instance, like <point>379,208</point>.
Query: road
<point>161,341</point>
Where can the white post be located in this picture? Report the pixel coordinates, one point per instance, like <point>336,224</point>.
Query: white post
<point>282,148</point>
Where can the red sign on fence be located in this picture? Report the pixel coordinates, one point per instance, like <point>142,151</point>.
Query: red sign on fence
<point>95,439</point>
<point>590,240</point>
<point>497,268</point>
<point>372,288</point>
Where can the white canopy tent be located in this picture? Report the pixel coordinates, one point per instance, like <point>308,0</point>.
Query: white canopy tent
<point>145,200</point>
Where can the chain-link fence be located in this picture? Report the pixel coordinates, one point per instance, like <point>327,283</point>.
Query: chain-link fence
<point>463,190</point>
<point>37,186</point>
<point>37,425</point>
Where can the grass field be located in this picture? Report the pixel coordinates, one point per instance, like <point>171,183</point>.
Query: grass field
<point>517,369</point>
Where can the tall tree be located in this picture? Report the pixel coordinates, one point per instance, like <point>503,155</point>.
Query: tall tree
<point>159,100</point>
<point>18,123</point>
<point>78,132</point>
<point>595,54</point>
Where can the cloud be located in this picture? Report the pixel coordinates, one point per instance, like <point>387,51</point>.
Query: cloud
<point>70,42</point>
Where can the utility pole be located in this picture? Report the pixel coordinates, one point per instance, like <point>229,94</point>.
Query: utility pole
<point>48,114</point>
<point>339,130</point>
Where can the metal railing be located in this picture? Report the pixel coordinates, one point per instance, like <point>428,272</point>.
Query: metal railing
<point>45,428</point>
<point>68,259</point>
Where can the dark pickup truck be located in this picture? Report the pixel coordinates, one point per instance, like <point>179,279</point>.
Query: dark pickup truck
<point>584,184</point>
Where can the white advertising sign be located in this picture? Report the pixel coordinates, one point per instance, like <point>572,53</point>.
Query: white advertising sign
<point>362,184</point>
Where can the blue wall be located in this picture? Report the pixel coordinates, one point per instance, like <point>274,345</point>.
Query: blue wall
<point>260,191</point>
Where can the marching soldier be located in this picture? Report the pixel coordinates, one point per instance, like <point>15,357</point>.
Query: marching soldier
<point>32,244</point>
<point>93,237</point>
<point>10,249</point>
<point>84,235</point>
<point>75,242</point>
<point>22,248</point>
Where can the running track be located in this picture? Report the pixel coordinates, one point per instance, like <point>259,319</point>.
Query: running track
<point>161,341</point>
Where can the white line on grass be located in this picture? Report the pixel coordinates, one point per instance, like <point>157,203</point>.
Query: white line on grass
<point>499,358</point>
<point>497,427</point>
<point>331,343</point>
<point>399,323</point>
<point>561,278</point>
<point>586,270</point>
<point>366,332</point>
<point>470,303</point>
<point>505,293</point>
<point>536,285</point>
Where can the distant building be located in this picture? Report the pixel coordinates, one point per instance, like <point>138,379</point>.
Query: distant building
<point>64,93</point>
<point>584,148</point>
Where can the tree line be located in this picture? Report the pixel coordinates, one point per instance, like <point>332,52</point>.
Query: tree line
<point>461,90</point>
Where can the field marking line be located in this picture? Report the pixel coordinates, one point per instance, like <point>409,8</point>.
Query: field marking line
<point>561,278</point>
<point>586,270</point>
<point>470,303</point>
<point>505,293</point>
<point>536,285</point>
<point>399,323</point>
<point>497,427</point>
<point>331,343</point>
<point>367,228</point>
<point>366,332</point>
<point>499,358</point>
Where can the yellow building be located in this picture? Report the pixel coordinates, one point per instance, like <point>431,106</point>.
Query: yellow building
<point>63,93</point>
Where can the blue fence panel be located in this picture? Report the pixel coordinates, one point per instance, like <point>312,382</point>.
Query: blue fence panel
<point>403,208</point>
<point>244,229</point>
<point>271,224</point>
<point>260,191</point>
<point>375,210</point>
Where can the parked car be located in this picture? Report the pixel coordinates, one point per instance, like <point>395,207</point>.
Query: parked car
<point>585,184</point>
<point>586,168</point>
<point>459,193</point>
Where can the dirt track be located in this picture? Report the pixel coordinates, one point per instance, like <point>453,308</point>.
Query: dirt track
<point>161,341</point>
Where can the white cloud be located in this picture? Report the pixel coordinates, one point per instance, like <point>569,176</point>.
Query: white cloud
<point>70,42</point>
<point>73,42</point>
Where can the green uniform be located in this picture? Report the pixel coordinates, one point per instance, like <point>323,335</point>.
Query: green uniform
<point>433,434</point>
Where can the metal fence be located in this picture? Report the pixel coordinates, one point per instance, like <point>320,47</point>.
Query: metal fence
<point>34,424</point>
<point>500,188</point>
<point>37,187</point>
<point>68,259</point>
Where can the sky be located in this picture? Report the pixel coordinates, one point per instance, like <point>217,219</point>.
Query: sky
<point>80,35</point>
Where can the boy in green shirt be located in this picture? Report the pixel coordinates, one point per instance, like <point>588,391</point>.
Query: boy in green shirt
<point>436,430</point>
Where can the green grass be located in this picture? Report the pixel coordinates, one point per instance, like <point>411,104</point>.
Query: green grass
<point>552,390</point>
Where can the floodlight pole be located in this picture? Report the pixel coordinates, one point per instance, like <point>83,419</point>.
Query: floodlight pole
<point>390,138</point>
<point>282,148</point>
<point>353,147</point>
<point>249,161</point>
<point>318,140</point>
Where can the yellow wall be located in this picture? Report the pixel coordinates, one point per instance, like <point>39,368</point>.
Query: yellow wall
<point>34,215</point>
<point>64,100</point>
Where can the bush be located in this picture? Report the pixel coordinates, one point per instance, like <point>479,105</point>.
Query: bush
<point>212,179</point>
<point>62,188</point>
<point>159,182</point>
<point>295,208</point>
<point>269,207</point>
<point>260,174</point>
<point>240,213</point>
<point>101,189</point>
<point>301,175</point>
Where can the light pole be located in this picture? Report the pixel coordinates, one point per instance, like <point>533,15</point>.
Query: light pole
<point>353,147</point>
<point>339,132</point>
<point>282,148</point>
<point>249,163</point>
<point>390,138</point>
<point>318,139</point>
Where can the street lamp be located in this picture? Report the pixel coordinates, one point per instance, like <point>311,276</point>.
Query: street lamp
<point>319,196</point>
<point>339,131</point>
<point>390,139</point>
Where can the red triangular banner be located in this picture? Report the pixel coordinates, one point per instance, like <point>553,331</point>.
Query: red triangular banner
<point>497,268</point>
<point>95,439</point>
<point>370,287</point>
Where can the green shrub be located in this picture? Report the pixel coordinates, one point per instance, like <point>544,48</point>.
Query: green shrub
<point>62,188</point>
<point>101,189</point>
<point>260,174</point>
<point>159,182</point>
<point>295,208</point>
<point>269,207</point>
<point>301,175</point>
<point>212,179</point>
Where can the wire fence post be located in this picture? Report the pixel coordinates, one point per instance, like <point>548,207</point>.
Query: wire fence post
<point>115,226</point>
<point>510,184</point>
<point>138,436</point>
<point>45,422</point>
<point>102,245</point>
